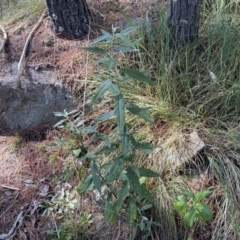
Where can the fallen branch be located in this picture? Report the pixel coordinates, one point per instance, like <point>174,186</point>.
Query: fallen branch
<point>4,38</point>
<point>23,56</point>
<point>17,224</point>
<point>10,187</point>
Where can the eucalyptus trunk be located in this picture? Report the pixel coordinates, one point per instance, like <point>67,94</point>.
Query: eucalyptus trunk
<point>70,18</point>
<point>184,16</point>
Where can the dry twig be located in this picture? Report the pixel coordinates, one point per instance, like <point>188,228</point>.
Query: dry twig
<point>10,206</point>
<point>4,38</point>
<point>20,64</point>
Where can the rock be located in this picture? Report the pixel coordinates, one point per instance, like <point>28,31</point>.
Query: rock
<point>32,100</point>
<point>177,148</point>
<point>193,144</point>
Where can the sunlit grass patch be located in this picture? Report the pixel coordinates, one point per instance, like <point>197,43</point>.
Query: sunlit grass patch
<point>12,11</point>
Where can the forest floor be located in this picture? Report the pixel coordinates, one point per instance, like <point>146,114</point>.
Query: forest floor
<point>32,171</point>
<point>195,102</point>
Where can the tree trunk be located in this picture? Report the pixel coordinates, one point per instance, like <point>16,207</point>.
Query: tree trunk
<point>70,17</point>
<point>184,16</point>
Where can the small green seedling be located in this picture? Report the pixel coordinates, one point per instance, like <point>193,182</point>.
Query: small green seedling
<point>192,207</point>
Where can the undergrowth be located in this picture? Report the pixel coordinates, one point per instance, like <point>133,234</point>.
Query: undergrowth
<point>197,89</point>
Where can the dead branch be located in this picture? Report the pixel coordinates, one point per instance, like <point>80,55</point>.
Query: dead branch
<point>4,38</point>
<point>10,187</point>
<point>23,56</point>
<point>17,223</point>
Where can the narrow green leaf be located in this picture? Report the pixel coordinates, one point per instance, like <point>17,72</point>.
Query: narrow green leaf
<point>73,111</point>
<point>108,63</point>
<point>114,89</point>
<point>124,49</point>
<point>123,192</point>
<point>107,149</point>
<point>105,37</point>
<point>135,74</point>
<point>148,206</point>
<point>105,116</point>
<point>86,184</point>
<point>190,217</point>
<point>100,136</point>
<point>114,217</point>
<point>108,207</point>
<point>144,146</point>
<point>105,33</point>
<point>94,49</point>
<point>156,223</point>
<point>99,39</point>
<point>59,114</point>
<point>122,176</point>
<point>106,166</point>
<point>96,176</point>
<point>182,198</point>
<point>144,172</point>
<point>202,194</point>
<point>140,112</point>
<point>88,155</point>
<point>80,123</point>
<point>134,180</point>
<point>114,171</point>
<point>189,194</point>
<point>132,211</point>
<point>101,90</point>
<point>142,225</point>
<point>203,212</point>
<point>119,110</point>
<point>126,40</point>
<point>59,123</point>
<point>146,194</point>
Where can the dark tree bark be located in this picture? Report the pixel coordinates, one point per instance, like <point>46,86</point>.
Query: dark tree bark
<point>184,16</point>
<point>70,18</point>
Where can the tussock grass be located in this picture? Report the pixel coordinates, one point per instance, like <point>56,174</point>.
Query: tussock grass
<point>203,76</point>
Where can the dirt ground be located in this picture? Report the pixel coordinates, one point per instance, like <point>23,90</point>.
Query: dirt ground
<point>31,172</point>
